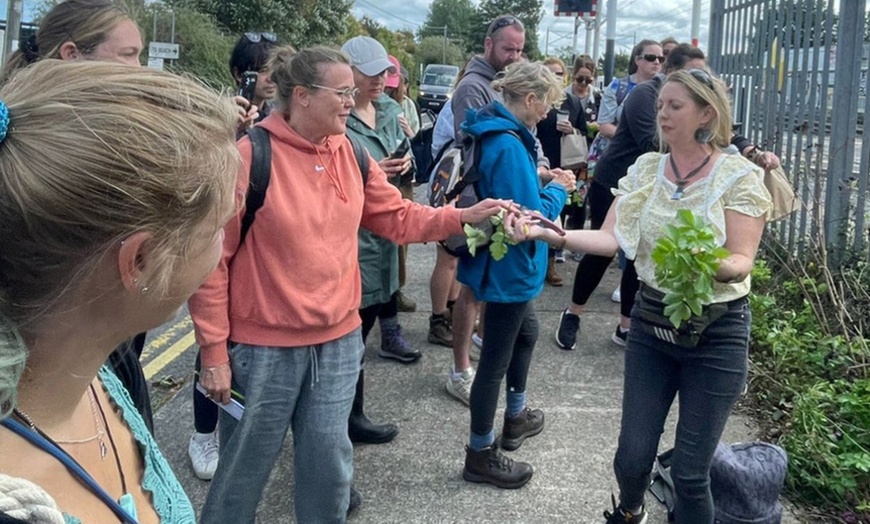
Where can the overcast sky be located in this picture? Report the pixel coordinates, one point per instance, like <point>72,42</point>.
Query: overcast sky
<point>636,19</point>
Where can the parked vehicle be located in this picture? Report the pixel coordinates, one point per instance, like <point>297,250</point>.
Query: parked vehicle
<point>436,87</point>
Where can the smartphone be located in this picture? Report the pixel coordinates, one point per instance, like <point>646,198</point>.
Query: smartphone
<point>401,151</point>
<point>234,408</point>
<point>248,86</point>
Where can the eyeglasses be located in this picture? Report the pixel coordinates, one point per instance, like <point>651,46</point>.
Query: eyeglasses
<point>502,22</point>
<point>347,93</point>
<point>652,58</point>
<point>702,76</point>
<point>583,79</point>
<point>256,37</point>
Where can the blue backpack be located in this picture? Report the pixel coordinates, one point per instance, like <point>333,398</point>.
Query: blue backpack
<point>745,480</point>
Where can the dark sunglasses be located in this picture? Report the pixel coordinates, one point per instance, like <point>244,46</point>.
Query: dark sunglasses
<point>702,76</point>
<point>256,37</point>
<point>652,58</point>
<point>583,79</point>
<point>502,22</point>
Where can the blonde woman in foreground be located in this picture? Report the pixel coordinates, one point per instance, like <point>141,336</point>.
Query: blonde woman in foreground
<point>116,184</point>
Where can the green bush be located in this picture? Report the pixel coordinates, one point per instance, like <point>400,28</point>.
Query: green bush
<point>811,378</point>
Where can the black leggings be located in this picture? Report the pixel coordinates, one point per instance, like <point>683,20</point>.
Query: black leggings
<point>205,412</point>
<point>509,335</point>
<point>591,268</point>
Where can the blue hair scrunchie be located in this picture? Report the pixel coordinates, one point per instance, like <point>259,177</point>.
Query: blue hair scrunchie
<point>4,120</point>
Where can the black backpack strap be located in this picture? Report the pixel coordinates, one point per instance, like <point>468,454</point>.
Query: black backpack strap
<point>261,172</point>
<point>362,158</point>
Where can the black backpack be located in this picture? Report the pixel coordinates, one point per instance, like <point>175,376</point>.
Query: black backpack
<point>261,172</point>
<point>745,480</point>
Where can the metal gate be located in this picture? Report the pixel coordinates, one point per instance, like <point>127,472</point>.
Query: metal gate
<point>797,70</point>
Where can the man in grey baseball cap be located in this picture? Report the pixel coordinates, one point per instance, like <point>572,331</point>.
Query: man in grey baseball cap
<point>367,55</point>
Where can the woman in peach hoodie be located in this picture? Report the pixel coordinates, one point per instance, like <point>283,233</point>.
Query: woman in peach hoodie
<point>287,297</point>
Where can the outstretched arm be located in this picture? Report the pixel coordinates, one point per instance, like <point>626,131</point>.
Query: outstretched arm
<point>595,242</point>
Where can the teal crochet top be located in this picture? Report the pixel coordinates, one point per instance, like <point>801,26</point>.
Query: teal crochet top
<point>169,499</point>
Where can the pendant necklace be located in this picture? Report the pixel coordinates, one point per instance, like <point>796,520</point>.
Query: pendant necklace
<point>682,181</point>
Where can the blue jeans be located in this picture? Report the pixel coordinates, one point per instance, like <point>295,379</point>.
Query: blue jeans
<point>309,389</point>
<point>709,379</point>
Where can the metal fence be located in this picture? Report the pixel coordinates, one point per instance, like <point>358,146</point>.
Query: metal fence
<point>797,69</point>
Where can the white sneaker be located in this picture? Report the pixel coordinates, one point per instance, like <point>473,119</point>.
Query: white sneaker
<point>616,296</point>
<point>476,346</point>
<point>203,451</point>
<point>461,388</point>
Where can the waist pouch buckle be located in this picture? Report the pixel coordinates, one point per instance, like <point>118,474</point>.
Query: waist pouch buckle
<point>650,310</point>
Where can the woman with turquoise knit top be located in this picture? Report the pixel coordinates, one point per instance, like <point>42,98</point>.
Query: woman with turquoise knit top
<point>108,223</point>
<point>705,359</point>
<point>508,286</point>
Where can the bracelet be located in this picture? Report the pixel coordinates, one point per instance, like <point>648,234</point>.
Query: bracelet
<point>562,245</point>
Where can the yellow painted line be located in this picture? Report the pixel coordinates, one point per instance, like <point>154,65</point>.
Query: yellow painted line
<point>155,366</point>
<point>164,338</point>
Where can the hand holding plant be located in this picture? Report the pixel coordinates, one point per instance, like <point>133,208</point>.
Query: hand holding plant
<point>686,258</point>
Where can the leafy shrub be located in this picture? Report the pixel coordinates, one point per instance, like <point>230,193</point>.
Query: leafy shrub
<point>811,376</point>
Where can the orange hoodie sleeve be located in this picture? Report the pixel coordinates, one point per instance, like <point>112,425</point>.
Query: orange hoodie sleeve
<point>402,221</point>
<point>209,306</point>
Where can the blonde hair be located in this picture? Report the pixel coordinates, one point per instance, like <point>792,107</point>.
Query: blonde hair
<point>522,78</point>
<point>86,23</point>
<point>553,60</point>
<point>95,152</point>
<point>707,91</point>
<point>291,69</point>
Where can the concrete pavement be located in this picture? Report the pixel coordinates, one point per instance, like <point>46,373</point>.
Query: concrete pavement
<point>417,477</point>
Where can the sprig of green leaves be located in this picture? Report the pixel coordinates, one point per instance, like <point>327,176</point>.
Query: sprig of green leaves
<point>686,259</point>
<point>498,242</point>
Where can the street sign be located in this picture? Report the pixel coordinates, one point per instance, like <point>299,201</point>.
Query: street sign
<point>574,7</point>
<point>163,50</point>
<point>155,63</point>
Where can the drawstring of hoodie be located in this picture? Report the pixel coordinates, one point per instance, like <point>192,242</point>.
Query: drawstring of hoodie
<point>315,372</point>
<point>336,181</point>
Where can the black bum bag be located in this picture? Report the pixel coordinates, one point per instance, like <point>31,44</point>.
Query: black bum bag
<point>649,308</point>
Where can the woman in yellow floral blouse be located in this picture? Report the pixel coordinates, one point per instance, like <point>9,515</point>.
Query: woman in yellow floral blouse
<point>707,363</point>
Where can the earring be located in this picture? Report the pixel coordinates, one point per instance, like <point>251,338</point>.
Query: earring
<point>144,290</point>
<point>703,135</point>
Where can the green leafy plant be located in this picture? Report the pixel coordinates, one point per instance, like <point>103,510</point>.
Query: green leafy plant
<point>810,375</point>
<point>686,258</point>
<point>498,241</point>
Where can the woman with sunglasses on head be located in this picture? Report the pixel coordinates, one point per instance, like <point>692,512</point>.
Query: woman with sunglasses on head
<point>567,119</point>
<point>705,361</point>
<point>288,297</point>
<point>250,54</point>
<point>635,136</point>
<point>116,184</point>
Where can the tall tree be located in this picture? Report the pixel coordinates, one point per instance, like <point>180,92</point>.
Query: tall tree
<point>300,22</point>
<point>529,11</point>
<point>458,16</point>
